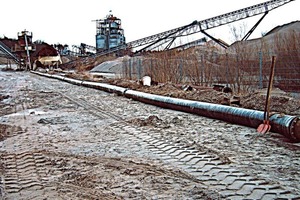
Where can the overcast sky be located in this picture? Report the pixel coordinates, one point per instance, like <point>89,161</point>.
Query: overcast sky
<point>70,21</point>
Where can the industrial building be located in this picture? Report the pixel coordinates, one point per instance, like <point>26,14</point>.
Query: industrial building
<point>109,33</point>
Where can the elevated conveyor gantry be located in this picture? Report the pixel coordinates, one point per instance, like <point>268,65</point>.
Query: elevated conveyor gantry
<point>6,52</point>
<point>169,36</point>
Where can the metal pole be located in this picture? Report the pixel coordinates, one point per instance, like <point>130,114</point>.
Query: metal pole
<point>237,78</point>
<point>260,70</point>
<point>140,69</point>
<point>202,70</point>
<point>130,68</point>
<point>27,51</point>
<point>227,70</point>
<point>180,71</point>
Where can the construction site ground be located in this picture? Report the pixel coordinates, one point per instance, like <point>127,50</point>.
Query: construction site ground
<point>280,101</point>
<point>63,141</point>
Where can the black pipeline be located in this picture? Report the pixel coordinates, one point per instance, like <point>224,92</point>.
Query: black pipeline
<point>286,125</point>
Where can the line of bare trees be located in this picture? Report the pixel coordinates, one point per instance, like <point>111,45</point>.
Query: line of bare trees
<point>244,66</point>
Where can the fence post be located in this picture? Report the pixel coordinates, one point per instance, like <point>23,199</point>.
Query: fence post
<point>151,67</point>
<point>180,71</point>
<point>129,69</point>
<point>237,71</point>
<point>260,70</point>
<point>124,68</point>
<point>140,68</point>
<point>227,74</point>
<point>202,69</point>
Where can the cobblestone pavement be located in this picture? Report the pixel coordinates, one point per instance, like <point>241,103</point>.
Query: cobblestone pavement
<point>61,141</point>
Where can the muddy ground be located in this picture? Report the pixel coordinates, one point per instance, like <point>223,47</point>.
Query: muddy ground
<point>61,141</point>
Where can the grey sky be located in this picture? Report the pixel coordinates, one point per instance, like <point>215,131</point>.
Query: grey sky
<point>70,21</point>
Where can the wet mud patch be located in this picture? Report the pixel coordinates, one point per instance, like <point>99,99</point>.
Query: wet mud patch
<point>124,178</point>
<point>7,131</point>
<point>3,96</point>
<point>152,120</point>
<point>52,121</point>
<point>155,121</point>
<point>5,108</point>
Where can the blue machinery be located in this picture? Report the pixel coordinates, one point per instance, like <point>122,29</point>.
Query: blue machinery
<point>286,125</point>
<point>109,33</point>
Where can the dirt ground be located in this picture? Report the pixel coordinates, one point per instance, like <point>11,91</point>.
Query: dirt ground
<point>62,141</point>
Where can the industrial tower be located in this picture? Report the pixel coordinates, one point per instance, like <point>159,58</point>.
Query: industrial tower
<point>109,33</point>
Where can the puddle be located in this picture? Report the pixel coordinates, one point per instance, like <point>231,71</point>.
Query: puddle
<point>27,113</point>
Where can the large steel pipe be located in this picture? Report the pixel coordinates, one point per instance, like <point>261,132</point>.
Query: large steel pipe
<point>287,125</point>
<point>106,87</point>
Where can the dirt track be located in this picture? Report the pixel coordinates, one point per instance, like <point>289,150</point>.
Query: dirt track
<point>60,141</point>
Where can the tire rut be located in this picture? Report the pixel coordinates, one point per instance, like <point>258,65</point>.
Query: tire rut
<point>211,170</point>
<point>24,173</point>
<point>206,167</point>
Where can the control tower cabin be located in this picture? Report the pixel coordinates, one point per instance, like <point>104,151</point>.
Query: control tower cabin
<point>109,33</point>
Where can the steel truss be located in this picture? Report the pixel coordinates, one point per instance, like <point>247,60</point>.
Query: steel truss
<point>6,52</point>
<point>200,26</point>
